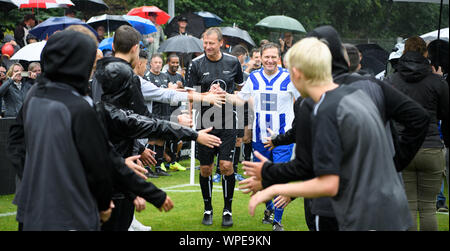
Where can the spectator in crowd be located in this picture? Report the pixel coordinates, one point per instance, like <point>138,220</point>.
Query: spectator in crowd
<point>70,13</point>
<point>100,33</point>
<point>153,40</point>
<point>2,74</point>
<point>255,61</point>
<point>2,79</point>
<point>22,30</point>
<point>423,176</point>
<point>14,90</point>
<point>354,57</point>
<point>31,39</point>
<point>263,42</point>
<point>286,41</point>
<point>182,27</point>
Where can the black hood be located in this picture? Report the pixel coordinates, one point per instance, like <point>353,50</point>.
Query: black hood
<point>115,73</point>
<point>331,36</point>
<point>68,57</point>
<point>413,67</point>
<point>121,87</point>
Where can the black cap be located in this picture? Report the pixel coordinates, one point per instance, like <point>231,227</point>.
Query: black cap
<point>183,19</point>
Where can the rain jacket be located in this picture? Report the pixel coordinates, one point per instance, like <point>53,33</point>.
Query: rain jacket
<point>121,86</point>
<point>414,77</point>
<point>65,156</point>
<point>13,97</point>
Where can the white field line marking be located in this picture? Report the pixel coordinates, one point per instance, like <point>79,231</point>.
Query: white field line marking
<point>171,188</point>
<point>8,214</point>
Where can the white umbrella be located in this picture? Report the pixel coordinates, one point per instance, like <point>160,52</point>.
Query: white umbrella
<point>430,36</point>
<point>31,52</point>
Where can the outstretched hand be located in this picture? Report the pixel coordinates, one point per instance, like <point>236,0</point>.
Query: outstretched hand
<point>147,157</point>
<point>254,168</point>
<point>208,140</point>
<point>139,170</point>
<point>250,185</point>
<point>216,99</point>
<point>269,144</point>
<point>258,198</point>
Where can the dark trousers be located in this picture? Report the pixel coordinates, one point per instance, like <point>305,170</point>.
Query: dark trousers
<point>326,223</point>
<point>309,217</point>
<point>121,217</point>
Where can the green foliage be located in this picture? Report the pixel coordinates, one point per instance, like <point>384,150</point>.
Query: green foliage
<point>355,19</point>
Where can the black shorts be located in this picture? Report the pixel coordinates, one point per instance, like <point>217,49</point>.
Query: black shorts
<point>225,151</point>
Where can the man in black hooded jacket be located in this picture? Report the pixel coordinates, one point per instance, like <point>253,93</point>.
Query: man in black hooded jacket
<point>392,106</point>
<point>65,173</point>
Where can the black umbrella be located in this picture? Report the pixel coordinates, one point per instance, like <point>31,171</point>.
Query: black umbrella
<point>182,44</point>
<point>374,58</point>
<point>195,27</point>
<point>235,36</point>
<point>7,5</point>
<point>90,5</point>
<point>438,54</point>
<point>110,22</point>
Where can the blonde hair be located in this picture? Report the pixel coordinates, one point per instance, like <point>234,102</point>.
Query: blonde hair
<point>313,58</point>
<point>11,69</point>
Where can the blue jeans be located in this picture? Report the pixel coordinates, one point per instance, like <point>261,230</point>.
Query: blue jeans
<point>441,197</point>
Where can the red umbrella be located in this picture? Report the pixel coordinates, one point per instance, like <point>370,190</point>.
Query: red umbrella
<point>44,4</point>
<point>161,16</point>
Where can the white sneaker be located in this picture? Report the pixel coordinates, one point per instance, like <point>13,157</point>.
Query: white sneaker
<point>137,226</point>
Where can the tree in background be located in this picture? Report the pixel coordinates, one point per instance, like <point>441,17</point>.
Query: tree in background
<point>356,19</point>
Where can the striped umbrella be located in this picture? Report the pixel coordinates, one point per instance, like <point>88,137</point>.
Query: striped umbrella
<point>44,4</point>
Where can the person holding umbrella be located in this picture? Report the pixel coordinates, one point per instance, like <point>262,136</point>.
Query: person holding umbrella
<point>22,30</point>
<point>153,40</point>
<point>286,42</point>
<point>182,27</point>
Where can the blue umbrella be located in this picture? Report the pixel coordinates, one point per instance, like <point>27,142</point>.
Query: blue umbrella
<point>210,19</point>
<point>53,24</point>
<point>106,44</point>
<point>144,26</point>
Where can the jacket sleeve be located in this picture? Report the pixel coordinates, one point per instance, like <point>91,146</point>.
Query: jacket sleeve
<point>153,93</point>
<point>135,126</point>
<point>126,180</point>
<point>5,87</point>
<point>412,116</point>
<point>278,173</point>
<point>93,149</point>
